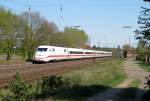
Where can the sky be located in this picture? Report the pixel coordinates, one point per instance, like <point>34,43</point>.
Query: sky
<point>102,20</point>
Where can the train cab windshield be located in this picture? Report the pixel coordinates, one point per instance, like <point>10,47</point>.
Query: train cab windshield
<point>42,49</point>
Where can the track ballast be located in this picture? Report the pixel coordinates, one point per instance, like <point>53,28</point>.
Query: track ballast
<point>31,72</point>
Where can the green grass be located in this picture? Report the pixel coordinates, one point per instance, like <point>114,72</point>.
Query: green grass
<point>4,62</point>
<point>129,94</point>
<point>135,83</point>
<point>92,80</point>
<point>108,73</point>
<point>88,81</point>
<point>3,93</point>
<point>144,66</point>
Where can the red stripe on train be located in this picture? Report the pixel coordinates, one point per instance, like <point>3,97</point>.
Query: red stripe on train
<point>67,55</point>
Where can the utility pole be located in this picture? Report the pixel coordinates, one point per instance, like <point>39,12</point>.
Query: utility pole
<point>14,46</point>
<point>61,11</point>
<point>128,27</point>
<point>29,9</point>
<point>89,39</point>
<point>30,39</point>
<point>129,41</point>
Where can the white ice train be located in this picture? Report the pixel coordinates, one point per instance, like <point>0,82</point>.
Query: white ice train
<point>47,53</point>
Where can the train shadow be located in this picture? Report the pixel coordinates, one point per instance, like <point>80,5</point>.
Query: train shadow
<point>94,93</point>
<point>52,61</point>
<point>62,60</point>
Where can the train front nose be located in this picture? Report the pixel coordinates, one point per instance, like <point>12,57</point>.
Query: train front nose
<point>42,57</point>
<point>41,54</point>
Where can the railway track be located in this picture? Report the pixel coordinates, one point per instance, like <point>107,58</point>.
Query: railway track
<point>31,72</point>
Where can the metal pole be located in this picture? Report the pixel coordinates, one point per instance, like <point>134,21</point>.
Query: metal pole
<point>89,42</point>
<point>14,53</point>
<point>14,45</point>
<point>129,41</point>
<point>128,27</point>
<point>30,40</point>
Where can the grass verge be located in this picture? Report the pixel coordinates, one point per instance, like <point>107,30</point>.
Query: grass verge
<point>92,80</point>
<point>144,66</point>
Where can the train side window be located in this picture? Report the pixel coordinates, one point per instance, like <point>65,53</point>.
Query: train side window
<point>88,53</point>
<point>76,52</point>
<point>53,49</point>
<point>64,50</point>
<point>42,49</point>
<point>49,50</point>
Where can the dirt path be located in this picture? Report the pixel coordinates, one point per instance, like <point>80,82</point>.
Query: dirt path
<point>133,72</point>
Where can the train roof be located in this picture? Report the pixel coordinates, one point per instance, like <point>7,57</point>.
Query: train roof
<point>77,49</point>
<point>47,46</point>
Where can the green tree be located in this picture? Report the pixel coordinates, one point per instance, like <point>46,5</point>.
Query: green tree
<point>126,47</point>
<point>9,22</point>
<point>47,33</point>
<point>143,34</point>
<point>147,0</point>
<point>29,30</point>
<point>75,37</point>
<point>141,50</point>
<point>37,31</point>
<point>34,22</point>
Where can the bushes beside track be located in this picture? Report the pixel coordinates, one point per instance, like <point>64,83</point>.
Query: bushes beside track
<point>47,86</point>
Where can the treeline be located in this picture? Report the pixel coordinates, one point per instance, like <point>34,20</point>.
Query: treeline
<point>143,35</point>
<point>25,32</point>
<point>143,49</point>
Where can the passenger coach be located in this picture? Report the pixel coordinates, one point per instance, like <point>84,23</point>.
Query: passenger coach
<point>48,53</point>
